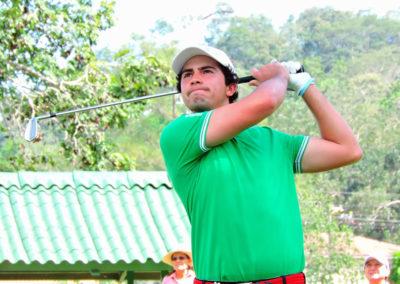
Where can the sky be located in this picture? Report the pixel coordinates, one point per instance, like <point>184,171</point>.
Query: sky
<point>140,16</point>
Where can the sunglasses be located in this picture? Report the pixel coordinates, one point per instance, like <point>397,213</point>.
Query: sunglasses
<point>175,258</point>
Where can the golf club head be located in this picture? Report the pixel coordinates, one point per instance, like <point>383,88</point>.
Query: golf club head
<point>31,130</point>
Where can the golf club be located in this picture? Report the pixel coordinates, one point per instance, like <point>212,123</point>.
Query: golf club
<point>31,130</point>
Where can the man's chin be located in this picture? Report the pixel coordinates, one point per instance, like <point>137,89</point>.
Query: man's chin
<point>200,108</point>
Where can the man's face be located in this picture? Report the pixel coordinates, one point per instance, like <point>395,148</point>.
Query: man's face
<point>203,84</point>
<point>375,270</point>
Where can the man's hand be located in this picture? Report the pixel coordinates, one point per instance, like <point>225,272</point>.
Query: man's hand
<point>292,67</point>
<point>268,71</point>
<point>298,82</point>
<point>230,119</point>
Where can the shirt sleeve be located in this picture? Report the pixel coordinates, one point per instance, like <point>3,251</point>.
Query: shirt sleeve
<point>183,141</point>
<point>300,154</point>
<point>294,148</point>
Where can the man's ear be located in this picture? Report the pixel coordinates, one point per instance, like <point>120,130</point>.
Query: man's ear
<point>231,89</point>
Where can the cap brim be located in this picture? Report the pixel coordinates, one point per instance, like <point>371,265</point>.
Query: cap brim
<point>185,55</point>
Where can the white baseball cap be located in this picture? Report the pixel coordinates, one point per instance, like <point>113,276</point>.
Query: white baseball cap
<point>188,52</point>
<point>379,257</point>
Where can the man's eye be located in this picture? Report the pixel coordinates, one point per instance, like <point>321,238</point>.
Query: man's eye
<point>186,75</point>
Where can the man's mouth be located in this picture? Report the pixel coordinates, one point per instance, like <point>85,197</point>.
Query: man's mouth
<point>197,89</point>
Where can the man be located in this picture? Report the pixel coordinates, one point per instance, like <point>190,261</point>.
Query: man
<point>235,179</point>
<point>376,269</point>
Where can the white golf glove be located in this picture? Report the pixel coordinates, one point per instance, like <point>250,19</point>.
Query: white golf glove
<point>291,66</point>
<point>298,82</point>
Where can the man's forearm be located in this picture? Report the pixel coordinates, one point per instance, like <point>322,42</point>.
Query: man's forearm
<point>331,124</point>
<point>338,145</point>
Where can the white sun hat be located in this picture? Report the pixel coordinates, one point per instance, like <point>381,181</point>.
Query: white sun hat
<point>183,248</point>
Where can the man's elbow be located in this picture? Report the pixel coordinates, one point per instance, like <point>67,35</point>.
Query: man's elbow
<point>356,154</point>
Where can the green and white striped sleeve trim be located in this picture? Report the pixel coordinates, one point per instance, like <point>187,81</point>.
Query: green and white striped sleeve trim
<point>203,133</point>
<point>297,162</point>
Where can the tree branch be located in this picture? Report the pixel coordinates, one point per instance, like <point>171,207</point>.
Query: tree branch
<point>32,72</point>
<point>50,82</point>
<point>385,206</point>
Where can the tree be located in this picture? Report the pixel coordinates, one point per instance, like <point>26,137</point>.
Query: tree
<point>335,34</point>
<point>248,41</point>
<point>48,65</point>
<point>359,77</point>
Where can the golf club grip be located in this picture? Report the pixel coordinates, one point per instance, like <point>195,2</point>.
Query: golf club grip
<point>249,78</point>
<point>245,79</point>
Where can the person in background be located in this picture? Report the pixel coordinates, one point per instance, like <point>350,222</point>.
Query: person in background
<point>181,261</point>
<point>377,269</point>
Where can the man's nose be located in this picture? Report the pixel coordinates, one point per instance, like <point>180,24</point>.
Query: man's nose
<point>196,78</point>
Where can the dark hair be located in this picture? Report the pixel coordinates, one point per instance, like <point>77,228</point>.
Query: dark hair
<point>230,78</point>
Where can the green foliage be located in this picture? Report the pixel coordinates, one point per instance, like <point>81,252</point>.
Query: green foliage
<point>392,95</point>
<point>48,66</point>
<point>162,27</point>
<point>140,140</point>
<point>395,269</point>
<point>327,245</point>
<point>248,41</point>
<point>336,34</point>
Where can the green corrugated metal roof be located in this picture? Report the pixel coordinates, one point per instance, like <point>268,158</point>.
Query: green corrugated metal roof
<point>88,217</point>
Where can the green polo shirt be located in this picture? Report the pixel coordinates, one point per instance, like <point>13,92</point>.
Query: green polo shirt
<point>240,197</point>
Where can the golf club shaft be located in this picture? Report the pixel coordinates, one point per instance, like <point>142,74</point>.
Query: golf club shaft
<point>31,130</point>
<point>50,115</point>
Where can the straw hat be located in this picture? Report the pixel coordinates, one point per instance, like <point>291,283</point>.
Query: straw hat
<point>179,248</point>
